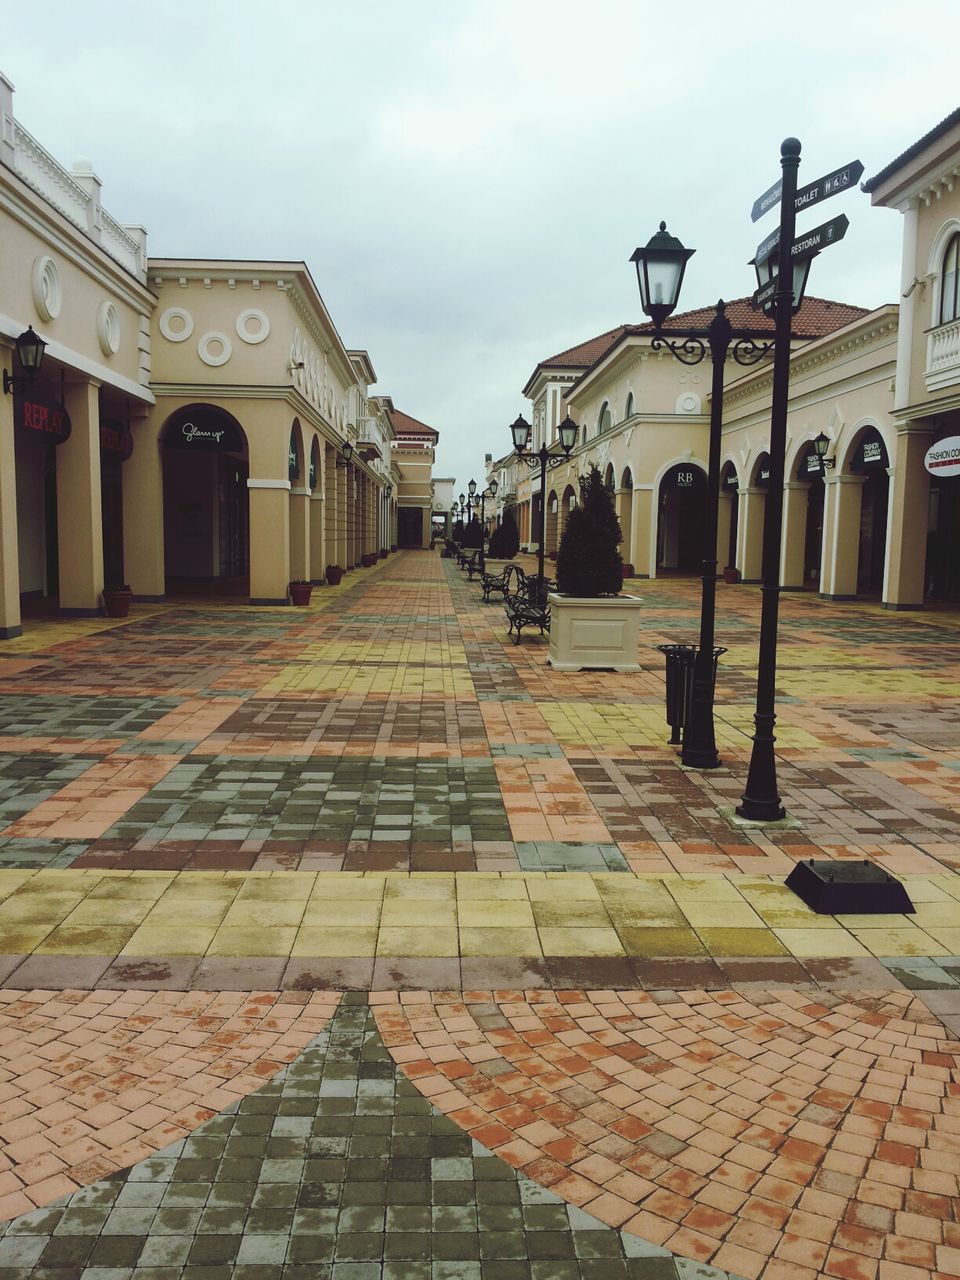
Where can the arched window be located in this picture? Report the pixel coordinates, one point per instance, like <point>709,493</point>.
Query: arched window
<point>629,410</point>
<point>950,281</point>
<point>606,420</point>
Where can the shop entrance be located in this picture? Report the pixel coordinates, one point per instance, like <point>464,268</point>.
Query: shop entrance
<point>410,527</point>
<point>41,423</point>
<point>206,505</point>
<point>730,505</point>
<point>808,470</point>
<point>680,523</point>
<point>943,540</point>
<point>871,461</point>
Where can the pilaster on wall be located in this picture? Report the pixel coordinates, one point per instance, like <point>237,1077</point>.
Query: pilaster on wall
<point>795,503</point>
<point>300,535</point>
<point>79,520</point>
<point>269,541</point>
<point>342,558</point>
<point>318,532</point>
<point>753,505</point>
<point>643,550</point>
<point>9,549</point>
<point>907,536</point>
<point>331,510</point>
<point>143,513</point>
<point>841,535</point>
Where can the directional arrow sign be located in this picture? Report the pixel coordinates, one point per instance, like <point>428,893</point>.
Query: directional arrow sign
<point>765,294</point>
<point>829,185</point>
<point>766,201</point>
<point>809,243</point>
<point>812,242</point>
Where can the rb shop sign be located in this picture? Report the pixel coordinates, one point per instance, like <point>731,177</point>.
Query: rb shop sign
<point>943,458</point>
<point>40,414</point>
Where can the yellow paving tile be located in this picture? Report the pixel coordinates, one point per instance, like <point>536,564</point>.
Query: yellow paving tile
<point>109,911</point>
<point>580,942</point>
<point>566,914</point>
<point>427,912</point>
<point>657,941</point>
<point>575,885</point>
<point>342,911</point>
<point>335,940</point>
<point>946,937</point>
<point>21,940</point>
<point>270,886</point>
<point>272,941</point>
<point>440,888</point>
<point>499,942</point>
<point>250,913</point>
<point>85,940</point>
<point>203,911</point>
<point>741,942</point>
<point>412,941</point>
<point>486,886</point>
<point>732,915</point>
<point>346,884</point>
<point>169,940</point>
<point>909,941</point>
<point>495,913</point>
<point>821,943</point>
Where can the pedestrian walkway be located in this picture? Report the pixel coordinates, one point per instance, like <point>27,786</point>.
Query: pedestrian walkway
<point>353,941</point>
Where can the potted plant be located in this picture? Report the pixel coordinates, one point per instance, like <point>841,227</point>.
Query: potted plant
<point>116,599</point>
<point>593,626</point>
<point>300,590</point>
<point>334,574</point>
<point>731,573</point>
<point>503,545</point>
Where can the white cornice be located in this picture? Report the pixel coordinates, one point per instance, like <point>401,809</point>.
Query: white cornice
<point>96,372</point>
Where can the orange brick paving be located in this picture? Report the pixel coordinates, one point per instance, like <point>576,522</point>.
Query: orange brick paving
<point>776,1134</point>
<point>92,1081</point>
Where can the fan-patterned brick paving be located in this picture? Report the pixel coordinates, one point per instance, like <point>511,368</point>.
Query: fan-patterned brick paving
<point>774,1134</point>
<point>92,1081</point>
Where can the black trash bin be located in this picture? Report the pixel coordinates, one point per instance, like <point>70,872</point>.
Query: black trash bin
<point>681,660</point>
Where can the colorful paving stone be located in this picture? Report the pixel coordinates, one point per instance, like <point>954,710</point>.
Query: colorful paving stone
<point>631,1050</point>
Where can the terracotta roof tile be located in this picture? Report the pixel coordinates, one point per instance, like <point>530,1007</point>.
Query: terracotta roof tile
<point>403,424</point>
<point>585,353</point>
<point>816,318</point>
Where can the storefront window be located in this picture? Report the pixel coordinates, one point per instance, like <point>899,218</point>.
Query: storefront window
<point>950,280</point>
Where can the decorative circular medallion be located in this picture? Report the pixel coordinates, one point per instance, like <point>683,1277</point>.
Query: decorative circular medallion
<point>689,403</point>
<point>252,325</point>
<point>176,324</point>
<point>47,291</point>
<point>108,328</point>
<point>214,349</point>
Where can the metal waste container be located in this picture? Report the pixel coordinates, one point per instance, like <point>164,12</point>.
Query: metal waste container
<point>681,660</point>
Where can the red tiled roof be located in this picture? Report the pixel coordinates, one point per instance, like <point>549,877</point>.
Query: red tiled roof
<point>403,424</point>
<point>585,353</point>
<point>816,318</point>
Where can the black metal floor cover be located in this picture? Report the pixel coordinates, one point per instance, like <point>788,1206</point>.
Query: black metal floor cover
<point>832,887</point>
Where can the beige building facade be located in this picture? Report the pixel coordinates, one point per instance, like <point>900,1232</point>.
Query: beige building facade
<point>195,426</point>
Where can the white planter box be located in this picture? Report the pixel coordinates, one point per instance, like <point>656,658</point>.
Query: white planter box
<point>594,634</point>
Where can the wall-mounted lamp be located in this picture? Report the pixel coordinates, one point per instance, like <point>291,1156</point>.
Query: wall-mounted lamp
<point>820,446</point>
<point>30,348</point>
<point>389,491</point>
<point>294,365</point>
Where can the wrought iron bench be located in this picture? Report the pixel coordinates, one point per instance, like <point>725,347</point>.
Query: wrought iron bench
<point>502,581</point>
<point>527,606</point>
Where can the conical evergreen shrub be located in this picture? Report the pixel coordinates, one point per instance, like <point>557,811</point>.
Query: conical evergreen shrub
<point>505,539</point>
<point>588,561</point>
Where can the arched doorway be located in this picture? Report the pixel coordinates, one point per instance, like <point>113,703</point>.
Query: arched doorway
<point>728,518</point>
<point>206,514</point>
<point>808,474</point>
<point>568,502</point>
<point>751,515</point>
<point>681,518</point>
<point>871,461</point>
<point>550,534</point>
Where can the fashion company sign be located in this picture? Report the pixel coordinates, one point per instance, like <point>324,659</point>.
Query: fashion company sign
<point>40,413</point>
<point>943,458</point>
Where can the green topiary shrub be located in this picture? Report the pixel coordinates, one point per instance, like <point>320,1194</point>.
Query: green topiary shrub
<point>473,534</point>
<point>505,539</point>
<point>457,531</point>
<point>588,562</point>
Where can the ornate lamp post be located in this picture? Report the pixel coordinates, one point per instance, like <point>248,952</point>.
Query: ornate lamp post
<point>489,492</point>
<point>544,459</point>
<point>660,267</point>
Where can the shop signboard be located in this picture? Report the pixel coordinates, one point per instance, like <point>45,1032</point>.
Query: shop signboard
<point>871,454</point>
<point>39,412</point>
<point>684,476</point>
<point>199,431</point>
<point>116,439</point>
<point>943,458</point>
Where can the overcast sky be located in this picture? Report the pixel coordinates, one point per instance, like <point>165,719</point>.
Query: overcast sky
<point>467,180</point>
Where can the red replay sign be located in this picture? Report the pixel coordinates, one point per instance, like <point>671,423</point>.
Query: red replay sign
<point>39,413</point>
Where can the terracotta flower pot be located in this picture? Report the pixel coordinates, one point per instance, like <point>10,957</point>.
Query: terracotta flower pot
<point>334,574</point>
<point>300,592</point>
<point>730,574</point>
<point>117,601</point>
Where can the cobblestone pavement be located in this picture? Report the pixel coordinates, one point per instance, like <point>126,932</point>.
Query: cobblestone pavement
<point>354,941</point>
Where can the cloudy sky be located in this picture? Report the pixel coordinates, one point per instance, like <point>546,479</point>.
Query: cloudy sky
<point>467,179</point>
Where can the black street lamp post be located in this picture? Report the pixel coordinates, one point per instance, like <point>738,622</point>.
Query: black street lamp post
<point>660,267</point>
<point>544,459</point>
<point>489,492</point>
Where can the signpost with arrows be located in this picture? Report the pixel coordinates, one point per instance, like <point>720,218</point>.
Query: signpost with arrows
<point>761,799</point>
